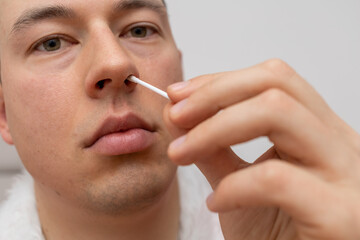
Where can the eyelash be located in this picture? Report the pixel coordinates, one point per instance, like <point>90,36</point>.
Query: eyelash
<point>141,25</point>
<point>61,37</point>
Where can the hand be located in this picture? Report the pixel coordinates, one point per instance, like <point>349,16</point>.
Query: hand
<point>307,186</point>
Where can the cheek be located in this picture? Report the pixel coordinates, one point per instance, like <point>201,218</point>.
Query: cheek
<point>159,63</point>
<point>39,112</point>
<point>163,68</point>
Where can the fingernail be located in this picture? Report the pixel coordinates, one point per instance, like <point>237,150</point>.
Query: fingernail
<point>178,86</point>
<point>177,143</point>
<point>177,108</point>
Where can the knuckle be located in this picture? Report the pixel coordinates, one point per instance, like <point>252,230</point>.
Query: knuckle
<point>176,119</point>
<point>275,100</point>
<point>278,67</point>
<point>274,95</point>
<point>272,175</point>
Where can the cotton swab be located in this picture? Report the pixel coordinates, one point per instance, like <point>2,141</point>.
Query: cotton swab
<point>152,88</point>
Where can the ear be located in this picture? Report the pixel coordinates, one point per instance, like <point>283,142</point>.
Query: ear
<point>4,127</point>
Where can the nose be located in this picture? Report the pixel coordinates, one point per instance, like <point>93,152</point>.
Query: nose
<point>110,66</point>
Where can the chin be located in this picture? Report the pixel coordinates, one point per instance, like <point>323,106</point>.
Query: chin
<point>129,189</point>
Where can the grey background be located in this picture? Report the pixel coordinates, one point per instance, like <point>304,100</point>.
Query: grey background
<point>319,38</point>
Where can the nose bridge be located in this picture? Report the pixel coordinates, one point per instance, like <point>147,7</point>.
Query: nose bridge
<point>110,63</point>
<point>107,47</point>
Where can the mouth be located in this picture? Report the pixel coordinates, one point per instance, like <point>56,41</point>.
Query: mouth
<point>119,135</point>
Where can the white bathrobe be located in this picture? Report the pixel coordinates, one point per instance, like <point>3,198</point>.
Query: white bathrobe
<point>19,218</point>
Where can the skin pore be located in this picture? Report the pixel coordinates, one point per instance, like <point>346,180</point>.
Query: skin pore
<point>51,104</point>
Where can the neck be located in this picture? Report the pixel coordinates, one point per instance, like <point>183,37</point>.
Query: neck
<point>61,221</point>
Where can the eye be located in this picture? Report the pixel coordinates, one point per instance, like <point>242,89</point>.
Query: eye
<point>140,32</point>
<point>51,44</point>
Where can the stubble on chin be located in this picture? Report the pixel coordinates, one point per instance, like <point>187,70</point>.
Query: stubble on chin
<point>129,193</point>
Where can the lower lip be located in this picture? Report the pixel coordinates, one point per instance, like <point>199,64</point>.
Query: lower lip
<point>119,143</point>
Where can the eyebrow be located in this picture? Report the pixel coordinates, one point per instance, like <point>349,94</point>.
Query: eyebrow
<point>136,4</point>
<point>32,16</point>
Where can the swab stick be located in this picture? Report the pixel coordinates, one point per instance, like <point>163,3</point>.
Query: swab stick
<point>152,88</point>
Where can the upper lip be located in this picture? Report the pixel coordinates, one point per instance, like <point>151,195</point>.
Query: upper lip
<point>115,124</point>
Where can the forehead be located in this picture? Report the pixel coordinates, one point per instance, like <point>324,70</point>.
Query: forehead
<point>11,10</point>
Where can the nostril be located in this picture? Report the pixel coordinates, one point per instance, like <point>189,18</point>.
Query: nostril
<point>129,84</point>
<point>101,84</point>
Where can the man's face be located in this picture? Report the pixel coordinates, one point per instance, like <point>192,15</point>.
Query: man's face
<point>63,71</point>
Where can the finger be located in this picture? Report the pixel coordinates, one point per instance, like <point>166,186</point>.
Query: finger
<point>219,165</point>
<point>294,130</point>
<point>173,129</point>
<point>182,90</point>
<point>271,153</point>
<point>274,183</point>
<point>224,162</point>
<point>223,90</point>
